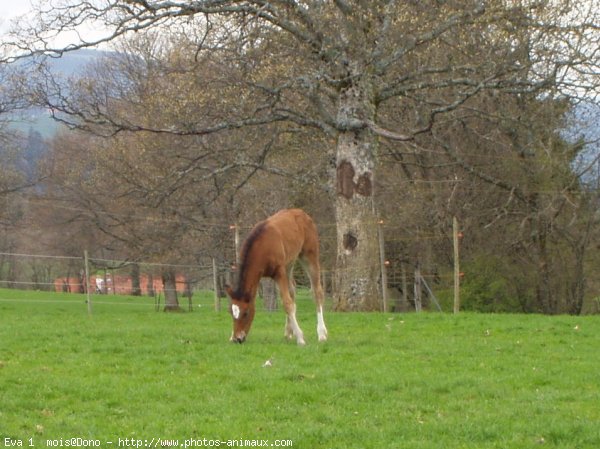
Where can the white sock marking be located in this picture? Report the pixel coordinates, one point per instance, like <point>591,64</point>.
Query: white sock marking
<point>321,329</point>
<point>295,327</point>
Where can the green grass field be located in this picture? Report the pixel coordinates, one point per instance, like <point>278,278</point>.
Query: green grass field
<point>128,375</point>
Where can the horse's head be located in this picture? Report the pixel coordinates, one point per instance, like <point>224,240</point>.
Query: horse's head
<point>242,312</point>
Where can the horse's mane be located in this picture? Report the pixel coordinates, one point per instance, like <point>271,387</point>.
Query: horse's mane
<point>256,232</point>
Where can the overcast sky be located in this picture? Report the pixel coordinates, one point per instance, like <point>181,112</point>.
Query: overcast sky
<point>13,7</point>
<point>10,9</point>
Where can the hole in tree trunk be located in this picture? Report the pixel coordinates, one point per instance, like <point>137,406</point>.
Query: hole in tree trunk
<point>363,187</point>
<point>350,242</point>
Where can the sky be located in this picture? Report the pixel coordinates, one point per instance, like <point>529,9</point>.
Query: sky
<point>13,8</point>
<point>10,9</point>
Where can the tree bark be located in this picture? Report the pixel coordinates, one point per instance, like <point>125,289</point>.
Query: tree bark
<point>546,297</point>
<point>136,289</point>
<point>577,294</point>
<point>150,285</point>
<point>170,288</point>
<point>357,243</point>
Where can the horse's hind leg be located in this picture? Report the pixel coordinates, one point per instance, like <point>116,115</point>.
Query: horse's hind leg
<point>319,299</point>
<point>290,307</point>
<point>311,265</point>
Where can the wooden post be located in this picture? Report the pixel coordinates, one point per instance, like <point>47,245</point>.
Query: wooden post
<point>233,271</point>
<point>334,278</point>
<point>216,286</point>
<point>404,284</point>
<point>456,266</point>
<point>384,281</point>
<point>418,290</point>
<point>87,282</point>
<point>236,242</point>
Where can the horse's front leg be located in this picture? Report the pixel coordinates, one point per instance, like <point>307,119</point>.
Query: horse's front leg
<point>289,332</point>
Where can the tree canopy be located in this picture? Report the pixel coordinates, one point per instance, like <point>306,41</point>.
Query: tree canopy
<point>206,94</point>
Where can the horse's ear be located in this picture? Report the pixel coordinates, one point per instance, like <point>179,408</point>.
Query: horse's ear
<point>229,291</point>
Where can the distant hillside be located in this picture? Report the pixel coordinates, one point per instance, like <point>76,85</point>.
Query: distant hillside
<point>586,128</point>
<point>74,63</point>
<point>38,119</point>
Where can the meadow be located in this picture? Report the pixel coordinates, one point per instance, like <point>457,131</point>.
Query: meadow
<point>130,376</point>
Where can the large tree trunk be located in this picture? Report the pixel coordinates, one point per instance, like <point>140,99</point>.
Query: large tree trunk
<point>136,288</point>
<point>578,283</point>
<point>170,287</point>
<point>357,271</point>
<point>577,293</point>
<point>150,285</point>
<point>546,296</point>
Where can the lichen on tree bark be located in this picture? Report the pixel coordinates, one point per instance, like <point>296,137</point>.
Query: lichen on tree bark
<point>357,276</point>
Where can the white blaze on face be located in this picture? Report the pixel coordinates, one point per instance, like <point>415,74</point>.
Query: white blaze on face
<point>235,311</point>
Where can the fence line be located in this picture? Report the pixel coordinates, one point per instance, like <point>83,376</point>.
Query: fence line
<point>128,264</point>
<point>150,303</point>
<point>392,273</point>
<point>125,263</point>
<point>41,256</point>
<point>6,281</point>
